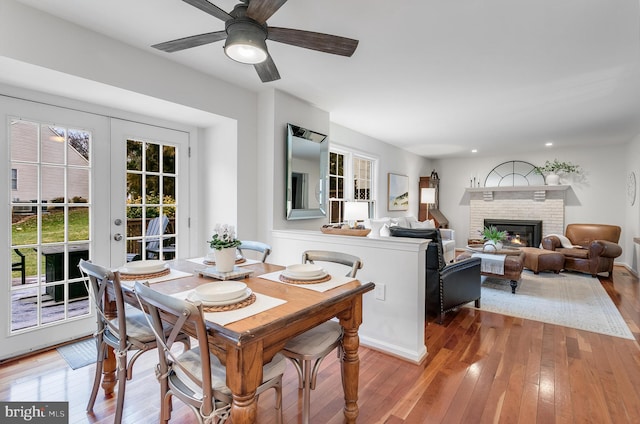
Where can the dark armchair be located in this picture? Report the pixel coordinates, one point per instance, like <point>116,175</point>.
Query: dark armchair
<point>448,286</point>
<point>589,248</point>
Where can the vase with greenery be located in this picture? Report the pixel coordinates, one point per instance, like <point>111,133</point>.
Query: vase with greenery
<point>224,243</point>
<point>553,170</point>
<point>493,238</point>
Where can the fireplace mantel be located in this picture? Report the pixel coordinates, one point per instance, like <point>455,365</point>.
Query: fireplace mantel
<point>539,192</point>
<point>519,188</point>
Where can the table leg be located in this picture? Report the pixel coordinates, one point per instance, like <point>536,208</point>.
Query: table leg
<point>244,375</point>
<point>350,366</point>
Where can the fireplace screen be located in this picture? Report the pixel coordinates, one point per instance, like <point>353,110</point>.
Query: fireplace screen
<point>521,233</point>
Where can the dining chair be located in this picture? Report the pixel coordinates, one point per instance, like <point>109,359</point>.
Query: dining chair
<point>129,331</point>
<point>196,376</point>
<point>307,350</point>
<point>257,246</point>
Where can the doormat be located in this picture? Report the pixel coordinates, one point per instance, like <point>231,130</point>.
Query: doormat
<point>79,354</point>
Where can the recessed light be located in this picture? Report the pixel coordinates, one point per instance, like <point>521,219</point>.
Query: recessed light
<point>474,151</point>
<point>548,144</point>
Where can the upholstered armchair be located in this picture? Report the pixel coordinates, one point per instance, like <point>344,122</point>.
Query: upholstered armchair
<point>589,248</point>
<point>449,286</point>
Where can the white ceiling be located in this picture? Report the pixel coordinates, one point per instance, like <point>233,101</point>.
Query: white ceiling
<point>434,77</point>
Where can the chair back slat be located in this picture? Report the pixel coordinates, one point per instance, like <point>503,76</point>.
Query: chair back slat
<point>337,257</point>
<point>256,246</point>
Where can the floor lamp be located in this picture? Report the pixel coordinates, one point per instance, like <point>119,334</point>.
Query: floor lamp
<point>427,195</point>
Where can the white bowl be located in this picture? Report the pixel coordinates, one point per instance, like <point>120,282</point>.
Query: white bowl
<point>220,291</point>
<point>304,271</point>
<point>144,267</point>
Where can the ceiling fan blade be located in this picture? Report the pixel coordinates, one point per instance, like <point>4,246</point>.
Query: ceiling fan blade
<point>192,41</point>
<point>267,70</point>
<point>314,40</point>
<point>261,10</point>
<point>209,8</point>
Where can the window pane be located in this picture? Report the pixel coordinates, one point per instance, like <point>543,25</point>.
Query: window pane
<point>153,157</point>
<point>78,148</point>
<point>78,185</point>
<point>169,159</point>
<point>24,141</point>
<point>153,189</point>
<point>134,188</point>
<point>134,155</point>
<point>53,144</point>
<point>24,308</point>
<point>27,185</point>
<point>169,189</point>
<point>53,226</point>
<point>52,184</point>
<point>79,224</point>
<point>24,227</point>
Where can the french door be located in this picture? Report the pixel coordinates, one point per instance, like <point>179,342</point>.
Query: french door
<point>79,186</point>
<point>52,156</point>
<point>149,208</point>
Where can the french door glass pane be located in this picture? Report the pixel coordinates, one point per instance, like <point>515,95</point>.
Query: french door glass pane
<point>50,205</point>
<point>151,200</point>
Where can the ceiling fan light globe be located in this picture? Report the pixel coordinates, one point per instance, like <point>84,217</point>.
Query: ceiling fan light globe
<point>245,53</point>
<point>246,43</point>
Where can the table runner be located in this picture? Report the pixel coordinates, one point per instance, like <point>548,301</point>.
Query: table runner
<point>334,282</point>
<point>491,264</point>
<point>262,303</point>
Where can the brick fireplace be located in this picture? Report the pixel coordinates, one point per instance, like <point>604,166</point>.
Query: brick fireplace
<point>529,203</point>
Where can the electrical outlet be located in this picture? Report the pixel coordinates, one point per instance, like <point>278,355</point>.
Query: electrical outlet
<point>380,291</point>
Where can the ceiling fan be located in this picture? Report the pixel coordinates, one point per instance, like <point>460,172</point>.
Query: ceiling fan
<point>246,32</point>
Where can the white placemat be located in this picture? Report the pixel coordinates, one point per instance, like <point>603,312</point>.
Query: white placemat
<point>245,263</point>
<point>174,274</point>
<point>334,282</point>
<point>262,303</point>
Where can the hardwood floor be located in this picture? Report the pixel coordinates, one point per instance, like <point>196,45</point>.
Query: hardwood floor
<point>482,368</point>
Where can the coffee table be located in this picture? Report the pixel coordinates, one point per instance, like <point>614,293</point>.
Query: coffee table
<point>513,265</point>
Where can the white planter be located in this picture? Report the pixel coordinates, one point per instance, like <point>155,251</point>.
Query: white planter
<point>492,246</point>
<point>225,259</point>
<point>552,179</point>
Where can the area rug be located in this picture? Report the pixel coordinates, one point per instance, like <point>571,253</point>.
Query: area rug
<point>79,354</point>
<point>568,299</point>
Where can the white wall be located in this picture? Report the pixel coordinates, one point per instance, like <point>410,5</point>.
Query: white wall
<point>599,197</point>
<point>632,213</point>
<point>171,87</point>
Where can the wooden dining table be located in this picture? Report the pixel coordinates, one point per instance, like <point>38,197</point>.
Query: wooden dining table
<point>244,346</point>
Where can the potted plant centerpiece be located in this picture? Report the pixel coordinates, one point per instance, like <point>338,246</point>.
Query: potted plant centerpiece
<point>224,242</point>
<point>553,170</point>
<point>493,238</point>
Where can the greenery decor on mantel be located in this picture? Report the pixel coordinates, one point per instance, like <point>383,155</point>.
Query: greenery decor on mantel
<point>553,170</point>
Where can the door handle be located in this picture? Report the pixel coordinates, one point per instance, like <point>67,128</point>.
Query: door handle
<point>117,237</point>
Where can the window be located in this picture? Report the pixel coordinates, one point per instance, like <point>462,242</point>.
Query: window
<point>14,179</point>
<point>348,166</point>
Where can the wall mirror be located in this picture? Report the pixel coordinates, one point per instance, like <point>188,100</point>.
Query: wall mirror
<point>307,164</point>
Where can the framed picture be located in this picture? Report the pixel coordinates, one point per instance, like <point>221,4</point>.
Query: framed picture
<point>398,192</point>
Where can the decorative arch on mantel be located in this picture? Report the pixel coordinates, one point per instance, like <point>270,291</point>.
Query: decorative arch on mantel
<point>514,173</point>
